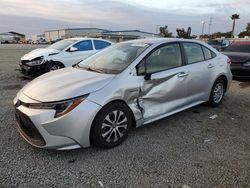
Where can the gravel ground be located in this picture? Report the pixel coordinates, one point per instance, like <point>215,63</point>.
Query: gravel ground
<point>188,148</point>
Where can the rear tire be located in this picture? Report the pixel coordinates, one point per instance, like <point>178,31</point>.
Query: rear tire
<point>111,125</point>
<point>217,93</point>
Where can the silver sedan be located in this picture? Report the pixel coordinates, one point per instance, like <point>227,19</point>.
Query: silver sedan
<point>127,84</point>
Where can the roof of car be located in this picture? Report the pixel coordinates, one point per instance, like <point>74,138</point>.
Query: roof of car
<point>162,40</point>
<point>85,38</point>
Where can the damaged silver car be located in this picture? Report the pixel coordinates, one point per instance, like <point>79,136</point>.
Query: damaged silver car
<point>127,84</point>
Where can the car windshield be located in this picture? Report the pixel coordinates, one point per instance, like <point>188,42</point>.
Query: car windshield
<point>239,47</point>
<point>61,45</point>
<point>214,42</point>
<point>114,59</point>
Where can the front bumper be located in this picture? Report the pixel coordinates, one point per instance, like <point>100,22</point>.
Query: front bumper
<point>32,70</point>
<point>238,70</point>
<point>42,130</point>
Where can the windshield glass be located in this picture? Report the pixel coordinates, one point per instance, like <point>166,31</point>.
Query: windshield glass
<point>61,44</point>
<point>239,47</point>
<point>114,59</point>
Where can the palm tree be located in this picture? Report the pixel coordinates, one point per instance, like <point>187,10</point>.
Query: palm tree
<point>234,17</point>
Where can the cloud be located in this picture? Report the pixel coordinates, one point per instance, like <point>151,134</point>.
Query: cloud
<point>145,15</point>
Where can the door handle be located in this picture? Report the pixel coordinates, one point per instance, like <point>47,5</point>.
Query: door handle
<point>183,74</point>
<point>210,66</point>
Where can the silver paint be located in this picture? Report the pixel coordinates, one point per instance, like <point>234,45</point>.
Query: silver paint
<point>167,92</point>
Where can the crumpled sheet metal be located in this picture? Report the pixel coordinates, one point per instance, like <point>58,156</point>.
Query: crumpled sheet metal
<point>157,96</point>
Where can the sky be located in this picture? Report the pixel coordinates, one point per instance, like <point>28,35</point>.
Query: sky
<point>35,16</point>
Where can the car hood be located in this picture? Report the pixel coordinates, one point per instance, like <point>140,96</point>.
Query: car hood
<point>237,57</point>
<point>64,84</point>
<point>38,53</point>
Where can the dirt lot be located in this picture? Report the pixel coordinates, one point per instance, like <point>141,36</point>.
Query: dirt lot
<point>188,148</point>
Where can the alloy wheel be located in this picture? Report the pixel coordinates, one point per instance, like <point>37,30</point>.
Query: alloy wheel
<point>218,92</point>
<point>55,67</point>
<point>114,126</point>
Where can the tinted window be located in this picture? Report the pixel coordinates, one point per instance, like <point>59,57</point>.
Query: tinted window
<point>207,52</point>
<point>100,44</point>
<point>213,54</point>
<point>193,52</point>
<point>239,47</point>
<point>166,57</point>
<point>84,45</point>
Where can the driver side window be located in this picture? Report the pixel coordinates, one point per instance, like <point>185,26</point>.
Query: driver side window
<point>165,57</point>
<point>84,45</point>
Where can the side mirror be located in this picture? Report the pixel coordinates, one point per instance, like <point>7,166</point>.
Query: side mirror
<point>147,76</point>
<point>72,49</point>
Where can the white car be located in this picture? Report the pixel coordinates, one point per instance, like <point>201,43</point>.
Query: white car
<point>61,54</point>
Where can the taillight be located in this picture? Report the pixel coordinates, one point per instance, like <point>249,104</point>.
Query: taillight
<point>229,61</point>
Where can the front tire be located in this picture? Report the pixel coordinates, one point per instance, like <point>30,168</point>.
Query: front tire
<point>217,93</point>
<point>111,125</point>
<point>52,66</point>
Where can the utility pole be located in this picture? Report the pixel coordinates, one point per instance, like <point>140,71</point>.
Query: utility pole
<point>210,24</point>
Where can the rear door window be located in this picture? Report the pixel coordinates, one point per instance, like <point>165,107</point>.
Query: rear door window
<point>101,44</point>
<point>207,53</point>
<point>193,52</point>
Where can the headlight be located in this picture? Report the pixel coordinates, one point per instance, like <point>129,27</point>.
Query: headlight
<point>247,63</point>
<point>37,61</point>
<point>62,107</point>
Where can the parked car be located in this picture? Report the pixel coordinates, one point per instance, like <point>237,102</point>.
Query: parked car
<point>219,44</point>
<point>128,84</point>
<point>60,54</point>
<point>239,53</point>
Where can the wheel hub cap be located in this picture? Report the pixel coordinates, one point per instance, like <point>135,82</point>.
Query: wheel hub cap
<point>114,126</point>
<point>218,92</point>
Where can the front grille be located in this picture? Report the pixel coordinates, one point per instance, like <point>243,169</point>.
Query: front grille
<point>28,129</point>
<point>23,62</point>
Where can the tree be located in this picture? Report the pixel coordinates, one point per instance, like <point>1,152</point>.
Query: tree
<point>248,27</point>
<point>164,32</point>
<point>219,35</point>
<point>234,17</point>
<point>181,33</point>
<point>245,33</point>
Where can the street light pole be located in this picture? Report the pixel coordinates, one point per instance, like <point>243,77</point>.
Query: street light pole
<point>203,24</point>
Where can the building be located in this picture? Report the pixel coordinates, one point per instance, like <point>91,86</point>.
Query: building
<point>54,35</point>
<point>11,37</point>
<point>37,38</point>
<point>123,35</point>
<point>114,36</point>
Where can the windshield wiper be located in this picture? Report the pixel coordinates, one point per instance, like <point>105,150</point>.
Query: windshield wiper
<point>95,70</point>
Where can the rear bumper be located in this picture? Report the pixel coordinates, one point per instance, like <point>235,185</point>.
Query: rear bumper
<point>240,71</point>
